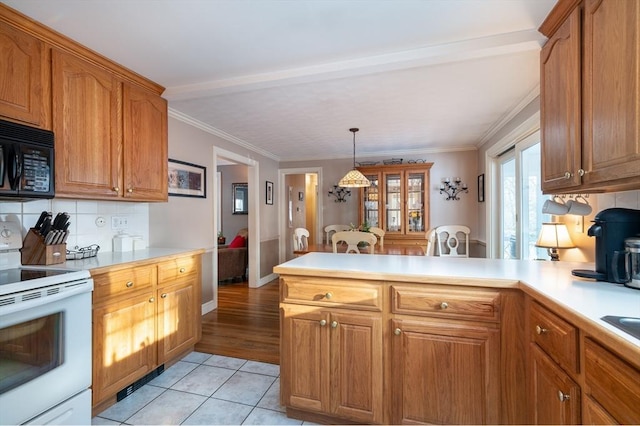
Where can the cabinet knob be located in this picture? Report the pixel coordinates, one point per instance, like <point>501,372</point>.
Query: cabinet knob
<point>151,300</point>
<point>129,284</point>
<point>116,189</point>
<point>444,305</point>
<point>182,270</point>
<point>563,396</point>
<point>397,332</point>
<point>540,330</point>
<point>163,295</point>
<point>334,324</point>
<point>323,323</point>
<point>567,175</point>
<point>581,172</point>
<point>328,295</point>
<point>130,190</point>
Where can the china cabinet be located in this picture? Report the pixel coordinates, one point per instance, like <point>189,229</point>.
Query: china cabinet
<point>397,201</point>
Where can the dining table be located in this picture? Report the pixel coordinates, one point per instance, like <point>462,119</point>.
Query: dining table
<point>408,250</point>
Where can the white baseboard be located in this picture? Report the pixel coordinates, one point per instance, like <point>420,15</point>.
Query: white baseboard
<point>208,307</point>
<point>267,279</point>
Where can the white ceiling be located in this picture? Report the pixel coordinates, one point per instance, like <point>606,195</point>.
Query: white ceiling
<point>290,77</point>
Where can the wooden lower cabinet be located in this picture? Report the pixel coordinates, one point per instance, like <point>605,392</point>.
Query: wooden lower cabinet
<point>332,362</point>
<point>141,321</point>
<point>445,372</point>
<point>124,349</point>
<point>555,396</point>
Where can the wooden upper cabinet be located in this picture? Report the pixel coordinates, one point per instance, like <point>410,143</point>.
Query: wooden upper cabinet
<point>590,105</point>
<point>611,92</point>
<point>560,106</point>
<point>144,145</point>
<point>86,101</point>
<point>24,78</point>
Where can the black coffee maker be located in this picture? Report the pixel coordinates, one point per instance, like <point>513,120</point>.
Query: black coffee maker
<point>610,227</point>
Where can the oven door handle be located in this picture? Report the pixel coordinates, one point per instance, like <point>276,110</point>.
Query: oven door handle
<point>41,301</point>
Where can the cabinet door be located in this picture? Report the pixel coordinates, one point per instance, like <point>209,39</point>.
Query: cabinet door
<point>415,182</point>
<point>178,316</point>
<point>393,202</point>
<point>611,90</point>
<point>124,349</point>
<point>24,78</point>
<point>371,204</point>
<point>555,397</point>
<point>356,366</point>
<point>560,117</point>
<point>145,145</point>
<point>86,124</point>
<point>304,358</point>
<point>445,373</point>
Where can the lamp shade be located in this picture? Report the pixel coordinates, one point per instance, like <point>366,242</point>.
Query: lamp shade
<point>554,235</point>
<point>354,179</point>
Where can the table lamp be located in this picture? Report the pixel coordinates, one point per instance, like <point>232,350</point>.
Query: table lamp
<point>554,236</point>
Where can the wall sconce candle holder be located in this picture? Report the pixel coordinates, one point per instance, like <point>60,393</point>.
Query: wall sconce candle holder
<point>340,193</point>
<point>452,187</point>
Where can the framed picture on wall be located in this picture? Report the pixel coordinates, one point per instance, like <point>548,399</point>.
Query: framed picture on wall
<point>269,190</point>
<point>481,188</point>
<point>187,179</point>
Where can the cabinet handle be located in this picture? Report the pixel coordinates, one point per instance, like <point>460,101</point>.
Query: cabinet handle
<point>163,295</point>
<point>151,300</point>
<point>567,175</point>
<point>563,396</point>
<point>130,190</point>
<point>323,323</point>
<point>540,330</point>
<point>182,270</point>
<point>334,324</point>
<point>116,189</point>
<point>129,284</point>
<point>444,305</point>
<point>397,332</point>
<point>581,172</point>
<point>328,295</point>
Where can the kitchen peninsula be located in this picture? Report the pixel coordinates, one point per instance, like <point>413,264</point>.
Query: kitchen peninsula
<point>398,339</point>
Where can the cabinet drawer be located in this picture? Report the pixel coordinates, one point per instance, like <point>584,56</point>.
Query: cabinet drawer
<point>481,304</point>
<point>558,338</point>
<point>181,267</point>
<point>331,293</point>
<point>121,282</point>
<point>613,383</point>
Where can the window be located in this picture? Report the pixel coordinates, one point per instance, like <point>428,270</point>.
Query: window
<point>520,200</point>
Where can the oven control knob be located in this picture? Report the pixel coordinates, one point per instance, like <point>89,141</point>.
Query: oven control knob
<point>6,233</point>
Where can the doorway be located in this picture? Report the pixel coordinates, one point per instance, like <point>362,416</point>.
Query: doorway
<point>300,206</point>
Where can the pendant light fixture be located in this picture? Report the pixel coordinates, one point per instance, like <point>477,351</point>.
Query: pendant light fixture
<point>354,179</point>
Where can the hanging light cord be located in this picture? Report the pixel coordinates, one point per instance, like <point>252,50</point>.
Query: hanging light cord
<point>354,130</point>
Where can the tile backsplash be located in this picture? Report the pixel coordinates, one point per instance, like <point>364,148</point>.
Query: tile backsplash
<point>626,199</point>
<point>85,227</point>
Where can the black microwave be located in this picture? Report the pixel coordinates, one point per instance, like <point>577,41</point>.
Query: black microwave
<point>26,162</point>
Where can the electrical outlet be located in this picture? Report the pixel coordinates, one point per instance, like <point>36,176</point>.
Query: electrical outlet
<point>119,222</point>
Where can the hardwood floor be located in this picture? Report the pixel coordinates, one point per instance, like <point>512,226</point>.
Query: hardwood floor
<point>245,325</point>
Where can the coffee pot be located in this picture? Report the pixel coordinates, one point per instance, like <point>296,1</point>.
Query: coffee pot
<point>631,256</point>
<point>611,228</point>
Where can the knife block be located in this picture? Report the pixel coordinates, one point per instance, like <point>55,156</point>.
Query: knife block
<point>35,252</point>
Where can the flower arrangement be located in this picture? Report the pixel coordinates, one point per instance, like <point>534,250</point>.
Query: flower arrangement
<point>365,227</point>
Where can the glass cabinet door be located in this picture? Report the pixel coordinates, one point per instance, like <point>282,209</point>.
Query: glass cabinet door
<point>372,201</point>
<point>393,202</point>
<point>415,184</point>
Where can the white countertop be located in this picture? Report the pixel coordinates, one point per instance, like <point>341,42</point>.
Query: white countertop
<point>585,298</point>
<point>112,258</point>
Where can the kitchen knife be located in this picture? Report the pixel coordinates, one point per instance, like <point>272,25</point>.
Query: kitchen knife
<point>38,224</point>
<point>46,226</point>
<point>57,221</point>
<point>48,240</point>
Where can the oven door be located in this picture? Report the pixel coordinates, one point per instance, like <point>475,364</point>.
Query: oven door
<point>45,354</point>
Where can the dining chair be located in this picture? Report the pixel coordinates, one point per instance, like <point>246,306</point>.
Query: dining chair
<point>300,239</point>
<point>449,237</point>
<point>330,229</point>
<point>378,232</point>
<point>431,242</point>
<point>353,238</point>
